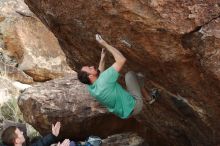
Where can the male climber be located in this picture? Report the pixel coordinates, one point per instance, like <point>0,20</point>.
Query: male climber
<point>103,85</point>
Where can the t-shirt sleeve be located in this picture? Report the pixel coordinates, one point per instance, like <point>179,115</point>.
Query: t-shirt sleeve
<point>110,75</point>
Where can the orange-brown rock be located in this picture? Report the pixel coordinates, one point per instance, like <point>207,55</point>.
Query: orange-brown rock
<point>24,38</point>
<point>43,59</point>
<point>175,44</point>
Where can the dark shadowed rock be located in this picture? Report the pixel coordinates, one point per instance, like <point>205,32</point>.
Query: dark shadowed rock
<point>174,43</point>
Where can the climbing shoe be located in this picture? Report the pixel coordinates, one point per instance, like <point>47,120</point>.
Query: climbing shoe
<point>155,94</point>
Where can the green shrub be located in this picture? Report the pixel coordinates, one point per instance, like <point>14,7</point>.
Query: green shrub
<point>10,111</point>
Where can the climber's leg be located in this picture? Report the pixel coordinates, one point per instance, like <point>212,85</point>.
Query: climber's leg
<point>135,86</point>
<point>149,98</point>
<point>134,89</point>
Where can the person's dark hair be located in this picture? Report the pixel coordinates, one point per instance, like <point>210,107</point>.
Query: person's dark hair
<point>9,136</point>
<point>83,77</point>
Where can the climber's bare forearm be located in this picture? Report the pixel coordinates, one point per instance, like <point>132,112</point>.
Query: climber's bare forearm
<point>102,65</point>
<point>118,56</point>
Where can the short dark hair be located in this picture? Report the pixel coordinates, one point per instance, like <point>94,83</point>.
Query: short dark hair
<point>9,136</point>
<point>83,77</point>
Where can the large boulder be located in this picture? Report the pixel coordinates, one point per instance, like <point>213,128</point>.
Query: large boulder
<point>68,101</point>
<point>174,43</point>
<point>26,40</point>
<point>43,58</point>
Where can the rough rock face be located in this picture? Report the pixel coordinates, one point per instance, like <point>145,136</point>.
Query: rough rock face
<point>43,59</point>
<point>27,41</point>
<point>176,44</point>
<point>14,73</point>
<point>57,100</point>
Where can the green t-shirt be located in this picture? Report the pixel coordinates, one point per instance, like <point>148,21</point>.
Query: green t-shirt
<point>110,94</point>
